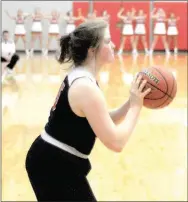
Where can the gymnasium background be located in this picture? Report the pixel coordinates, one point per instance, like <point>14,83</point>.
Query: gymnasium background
<point>153,165</point>
<point>178,7</point>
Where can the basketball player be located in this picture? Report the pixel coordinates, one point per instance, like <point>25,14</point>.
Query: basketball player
<point>140,30</point>
<point>159,29</point>
<point>127,31</point>
<point>20,31</point>
<point>36,29</point>
<point>172,31</point>
<point>53,31</point>
<point>57,162</point>
<point>8,55</point>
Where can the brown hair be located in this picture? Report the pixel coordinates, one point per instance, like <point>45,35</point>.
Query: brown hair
<point>74,47</point>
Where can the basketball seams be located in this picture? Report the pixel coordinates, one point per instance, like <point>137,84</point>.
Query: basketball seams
<point>164,80</point>
<point>167,95</point>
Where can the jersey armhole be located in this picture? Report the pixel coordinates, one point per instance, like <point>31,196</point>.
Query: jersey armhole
<point>79,78</point>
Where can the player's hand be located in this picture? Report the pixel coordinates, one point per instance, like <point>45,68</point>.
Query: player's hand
<point>137,93</point>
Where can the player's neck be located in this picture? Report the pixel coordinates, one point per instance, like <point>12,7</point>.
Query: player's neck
<point>91,67</point>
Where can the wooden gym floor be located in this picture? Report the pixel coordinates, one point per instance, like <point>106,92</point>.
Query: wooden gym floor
<point>151,167</point>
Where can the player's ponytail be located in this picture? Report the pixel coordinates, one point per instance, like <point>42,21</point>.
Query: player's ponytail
<point>74,47</point>
<point>65,53</point>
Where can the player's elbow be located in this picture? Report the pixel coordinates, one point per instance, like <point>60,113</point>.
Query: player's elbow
<point>116,145</point>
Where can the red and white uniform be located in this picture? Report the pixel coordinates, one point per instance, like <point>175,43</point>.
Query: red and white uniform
<point>70,25</point>
<point>140,25</point>
<point>37,25</point>
<point>20,29</point>
<point>160,27</point>
<point>172,27</point>
<point>54,27</point>
<point>128,27</point>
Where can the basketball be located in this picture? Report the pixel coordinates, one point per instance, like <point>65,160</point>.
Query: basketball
<point>163,87</point>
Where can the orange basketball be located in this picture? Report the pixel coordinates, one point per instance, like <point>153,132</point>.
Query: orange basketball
<point>163,87</point>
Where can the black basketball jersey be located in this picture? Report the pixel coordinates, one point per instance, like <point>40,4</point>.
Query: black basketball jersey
<point>64,125</point>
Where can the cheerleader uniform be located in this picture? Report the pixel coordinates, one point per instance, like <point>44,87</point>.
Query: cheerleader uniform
<point>20,29</point>
<point>37,26</point>
<point>70,26</point>
<point>172,27</point>
<point>128,27</point>
<point>57,162</point>
<point>172,30</point>
<point>140,26</point>
<point>54,27</point>
<point>160,28</point>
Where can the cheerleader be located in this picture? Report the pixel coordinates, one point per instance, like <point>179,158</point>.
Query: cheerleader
<point>36,29</point>
<point>106,16</point>
<point>70,19</point>
<point>172,31</point>
<point>53,31</point>
<point>20,31</point>
<point>159,29</point>
<point>80,15</point>
<point>140,30</point>
<point>127,28</point>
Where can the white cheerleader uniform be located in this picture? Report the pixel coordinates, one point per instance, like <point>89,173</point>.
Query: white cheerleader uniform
<point>70,26</point>
<point>54,27</point>
<point>160,27</point>
<point>140,25</point>
<point>128,27</point>
<point>172,27</point>
<point>20,29</point>
<point>37,26</point>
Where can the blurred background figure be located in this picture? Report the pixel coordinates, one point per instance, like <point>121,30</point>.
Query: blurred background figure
<point>8,55</point>
<point>172,31</point>
<point>20,31</point>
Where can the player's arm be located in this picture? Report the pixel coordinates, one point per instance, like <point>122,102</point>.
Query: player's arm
<point>11,17</point>
<point>117,115</point>
<point>154,16</point>
<point>119,14</point>
<point>133,11</point>
<point>86,97</point>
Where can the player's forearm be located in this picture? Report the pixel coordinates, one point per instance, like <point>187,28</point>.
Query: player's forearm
<point>119,114</point>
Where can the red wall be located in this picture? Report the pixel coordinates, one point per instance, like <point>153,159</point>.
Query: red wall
<point>179,8</point>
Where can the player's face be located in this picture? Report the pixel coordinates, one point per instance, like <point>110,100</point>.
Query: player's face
<point>6,36</point>
<point>70,13</point>
<point>141,12</point>
<point>128,13</point>
<point>37,11</point>
<point>161,12</point>
<point>172,15</point>
<point>20,12</point>
<point>54,13</point>
<point>105,52</point>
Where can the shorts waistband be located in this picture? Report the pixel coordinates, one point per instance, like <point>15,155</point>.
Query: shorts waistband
<point>46,137</point>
